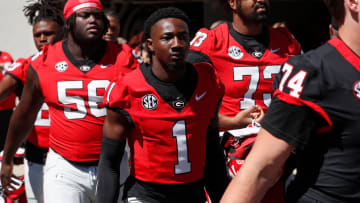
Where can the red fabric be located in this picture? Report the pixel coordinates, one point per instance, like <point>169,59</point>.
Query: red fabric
<point>72,6</point>
<point>275,194</point>
<point>248,80</point>
<point>17,196</point>
<point>346,52</point>
<point>297,101</point>
<point>153,139</point>
<point>236,155</point>
<point>9,102</point>
<point>39,135</point>
<point>19,68</point>
<point>76,122</point>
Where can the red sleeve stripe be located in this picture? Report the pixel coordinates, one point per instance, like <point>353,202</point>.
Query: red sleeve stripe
<point>296,101</point>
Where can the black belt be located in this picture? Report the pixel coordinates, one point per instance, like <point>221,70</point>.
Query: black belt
<point>35,154</point>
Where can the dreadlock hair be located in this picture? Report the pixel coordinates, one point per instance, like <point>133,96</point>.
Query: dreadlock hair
<point>70,23</point>
<point>39,10</point>
<point>170,12</point>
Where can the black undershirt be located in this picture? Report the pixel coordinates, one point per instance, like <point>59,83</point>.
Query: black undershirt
<point>179,92</point>
<point>85,65</point>
<point>255,45</point>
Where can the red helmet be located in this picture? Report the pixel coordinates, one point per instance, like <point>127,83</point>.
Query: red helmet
<point>237,145</point>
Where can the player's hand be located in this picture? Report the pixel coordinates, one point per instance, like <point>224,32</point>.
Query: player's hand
<point>258,114</point>
<point>245,117</point>
<point>7,178</point>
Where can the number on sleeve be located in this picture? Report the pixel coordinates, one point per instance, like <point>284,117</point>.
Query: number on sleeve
<point>198,39</point>
<point>296,83</point>
<point>179,132</point>
<point>13,66</point>
<point>287,69</point>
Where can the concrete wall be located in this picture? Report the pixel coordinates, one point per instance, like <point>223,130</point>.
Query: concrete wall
<point>15,32</point>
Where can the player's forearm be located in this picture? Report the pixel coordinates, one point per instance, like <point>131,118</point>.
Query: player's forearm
<point>109,170</point>
<point>227,122</point>
<point>7,86</point>
<point>249,186</point>
<point>20,126</point>
<point>216,179</point>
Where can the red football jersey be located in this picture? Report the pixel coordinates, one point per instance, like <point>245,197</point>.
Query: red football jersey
<point>74,91</point>
<point>39,135</point>
<point>6,60</point>
<point>167,146</point>
<point>18,69</point>
<point>247,79</point>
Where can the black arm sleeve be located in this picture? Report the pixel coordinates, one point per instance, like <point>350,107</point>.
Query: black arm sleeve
<point>215,175</point>
<point>292,123</point>
<point>108,183</point>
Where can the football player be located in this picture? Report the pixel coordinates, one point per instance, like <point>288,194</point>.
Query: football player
<point>114,27</point>
<point>168,112</point>
<point>71,77</point>
<point>315,110</point>
<point>47,23</point>
<point>247,54</point>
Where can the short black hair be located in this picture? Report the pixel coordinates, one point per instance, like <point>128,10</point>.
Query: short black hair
<point>39,10</point>
<point>169,12</point>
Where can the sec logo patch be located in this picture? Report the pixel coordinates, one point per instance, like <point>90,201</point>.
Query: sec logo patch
<point>235,52</point>
<point>61,66</point>
<point>150,102</point>
<point>356,89</point>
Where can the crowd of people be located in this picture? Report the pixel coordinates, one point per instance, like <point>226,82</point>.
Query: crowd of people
<point>104,124</point>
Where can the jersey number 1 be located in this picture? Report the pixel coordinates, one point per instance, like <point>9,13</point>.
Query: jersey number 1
<point>179,132</point>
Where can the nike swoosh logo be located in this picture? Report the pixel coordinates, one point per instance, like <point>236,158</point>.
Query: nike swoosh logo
<point>274,50</point>
<point>105,66</point>
<point>197,98</point>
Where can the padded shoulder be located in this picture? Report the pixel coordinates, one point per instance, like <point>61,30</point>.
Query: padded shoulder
<point>302,77</point>
<point>293,45</point>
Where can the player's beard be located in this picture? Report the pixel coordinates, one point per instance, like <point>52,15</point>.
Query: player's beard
<point>254,16</point>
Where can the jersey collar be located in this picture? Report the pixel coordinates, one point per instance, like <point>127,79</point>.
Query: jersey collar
<point>346,52</point>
